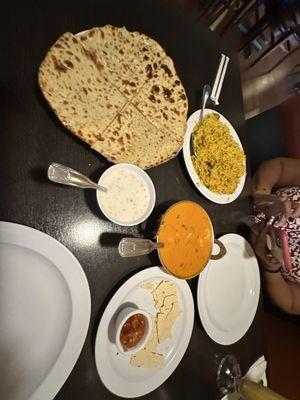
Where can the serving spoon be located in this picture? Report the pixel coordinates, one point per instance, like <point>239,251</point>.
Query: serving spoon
<point>205,97</point>
<point>59,173</point>
<point>132,247</point>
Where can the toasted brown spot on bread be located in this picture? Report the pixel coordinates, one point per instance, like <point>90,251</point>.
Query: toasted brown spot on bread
<point>119,92</point>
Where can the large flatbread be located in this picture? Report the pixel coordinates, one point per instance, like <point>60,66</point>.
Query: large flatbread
<point>133,139</point>
<point>101,85</point>
<point>163,100</point>
<point>132,58</point>
<point>79,93</point>
<point>115,49</point>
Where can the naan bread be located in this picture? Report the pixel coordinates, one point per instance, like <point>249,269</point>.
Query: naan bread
<point>133,139</point>
<point>130,57</point>
<point>79,93</point>
<point>162,100</point>
<point>149,56</point>
<point>119,92</point>
<point>115,49</point>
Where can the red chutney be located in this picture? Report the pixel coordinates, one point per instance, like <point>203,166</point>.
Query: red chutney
<point>133,331</point>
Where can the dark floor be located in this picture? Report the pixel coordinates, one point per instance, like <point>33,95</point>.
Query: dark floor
<point>283,355</point>
<point>265,137</point>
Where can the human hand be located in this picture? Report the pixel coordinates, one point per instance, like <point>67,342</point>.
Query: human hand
<point>295,213</point>
<point>259,243</point>
<point>275,206</point>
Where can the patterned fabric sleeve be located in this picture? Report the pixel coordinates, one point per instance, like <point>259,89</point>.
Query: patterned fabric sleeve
<point>292,227</point>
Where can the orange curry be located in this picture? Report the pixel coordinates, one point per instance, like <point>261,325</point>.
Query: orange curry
<point>186,233</point>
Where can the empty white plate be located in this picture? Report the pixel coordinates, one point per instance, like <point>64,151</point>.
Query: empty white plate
<point>44,313</point>
<point>228,291</point>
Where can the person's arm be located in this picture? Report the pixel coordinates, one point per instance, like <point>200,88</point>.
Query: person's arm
<point>280,171</point>
<point>284,294</point>
<point>277,172</point>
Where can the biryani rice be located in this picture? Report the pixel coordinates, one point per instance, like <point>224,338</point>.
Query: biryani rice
<point>219,160</point>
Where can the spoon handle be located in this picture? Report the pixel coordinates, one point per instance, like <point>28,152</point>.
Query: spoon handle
<point>59,173</point>
<point>205,96</point>
<point>132,247</point>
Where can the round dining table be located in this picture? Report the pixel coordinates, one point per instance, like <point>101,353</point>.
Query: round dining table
<point>32,138</point>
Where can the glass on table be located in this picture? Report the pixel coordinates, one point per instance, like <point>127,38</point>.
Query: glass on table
<point>230,380</point>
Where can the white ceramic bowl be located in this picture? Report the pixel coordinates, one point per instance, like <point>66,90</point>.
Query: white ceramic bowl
<point>146,180</point>
<point>121,318</point>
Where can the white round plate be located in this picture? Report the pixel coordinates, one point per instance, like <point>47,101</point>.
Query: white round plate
<point>114,368</point>
<point>216,198</point>
<point>228,291</point>
<point>45,313</point>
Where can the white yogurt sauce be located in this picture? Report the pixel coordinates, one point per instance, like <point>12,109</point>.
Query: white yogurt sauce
<point>127,198</point>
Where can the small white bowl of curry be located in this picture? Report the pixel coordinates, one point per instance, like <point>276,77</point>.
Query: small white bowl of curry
<point>133,330</point>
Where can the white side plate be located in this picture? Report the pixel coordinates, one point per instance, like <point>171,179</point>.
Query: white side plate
<point>228,291</point>
<point>44,313</point>
<point>216,198</point>
<point>114,369</point>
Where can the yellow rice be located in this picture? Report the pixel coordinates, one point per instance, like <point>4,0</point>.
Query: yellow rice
<point>220,161</point>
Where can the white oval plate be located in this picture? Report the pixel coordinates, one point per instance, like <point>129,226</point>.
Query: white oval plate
<point>45,313</point>
<point>216,198</point>
<point>228,291</point>
<point>114,369</point>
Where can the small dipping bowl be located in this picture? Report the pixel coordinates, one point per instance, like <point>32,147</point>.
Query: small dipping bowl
<point>121,193</point>
<point>121,318</point>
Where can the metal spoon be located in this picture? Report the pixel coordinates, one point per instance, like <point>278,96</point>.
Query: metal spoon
<point>59,173</point>
<point>132,247</point>
<point>205,96</point>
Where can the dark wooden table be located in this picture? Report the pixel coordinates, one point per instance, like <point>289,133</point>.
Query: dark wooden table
<point>32,138</point>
